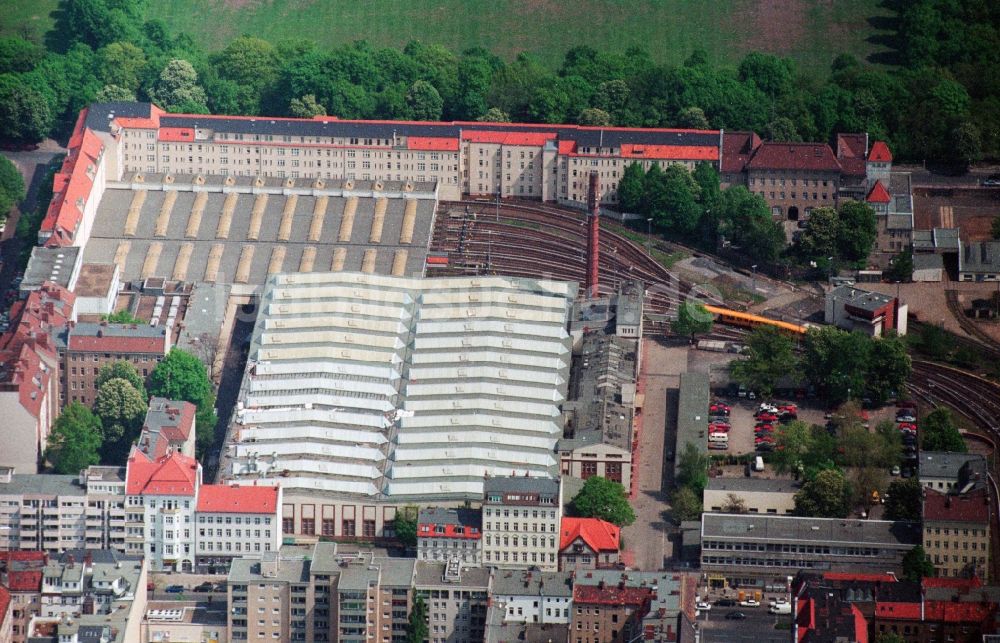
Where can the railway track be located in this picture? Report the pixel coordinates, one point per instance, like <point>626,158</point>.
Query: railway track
<point>540,241</point>
<point>976,398</point>
<point>967,324</point>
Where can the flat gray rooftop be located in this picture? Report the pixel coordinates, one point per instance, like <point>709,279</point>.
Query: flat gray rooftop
<point>767,528</point>
<point>753,485</point>
<point>171,241</point>
<point>692,412</point>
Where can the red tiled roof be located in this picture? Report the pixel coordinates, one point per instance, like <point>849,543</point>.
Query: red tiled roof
<point>117,344</point>
<point>432,143</point>
<point>686,152</point>
<point>72,186</point>
<point>172,475</point>
<point>4,604</point>
<point>508,138</point>
<point>598,534</point>
<point>567,146</point>
<point>175,134</point>
<point>854,167</point>
<point>970,507</point>
<point>878,194</point>
<point>28,580</point>
<point>220,498</point>
<point>737,148</point>
<point>794,156</point>
<point>852,146</point>
<point>880,153</point>
<point>610,594</point>
<point>22,556</point>
<point>953,583</point>
<point>935,611</point>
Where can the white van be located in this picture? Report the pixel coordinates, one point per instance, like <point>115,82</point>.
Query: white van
<point>758,464</point>
<point>780,608</point>
<point>718,437</point>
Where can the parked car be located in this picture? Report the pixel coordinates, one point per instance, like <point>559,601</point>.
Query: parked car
<point>703,606</point>
<point>725,602</point>
<point>174,589</point>
<point>735,616</point>
<point>767,417</point>
<point>718,446</point>
<point>907,426</point>
<point>905,417</point>
<point>764,446</point>
<point>718,427</point>
<point>205,587</point>
<point>895,470</point>
<point>719,408</point>
<point>750,603</point>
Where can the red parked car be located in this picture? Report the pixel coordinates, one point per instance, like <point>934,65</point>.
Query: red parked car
<point>760,439</point>
<point>767,417</point>
<point>907,426</point>
<point>718,427</point>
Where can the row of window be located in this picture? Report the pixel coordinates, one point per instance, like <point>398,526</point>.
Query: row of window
<point>511,557</point>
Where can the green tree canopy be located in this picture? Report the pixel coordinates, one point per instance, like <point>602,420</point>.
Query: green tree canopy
<point>857,230</point>
<point>306,107</point>
<point>604,499</point>
<point>917,565</point>
<point>793,441</point>
<point>939,433</point>
<point>770,355</point>
<point>121,409</point>
<point>122,370</point>
<point>901,267</point>
<point>122,316</point>
<point>904,501</point>
<point>495,115</point>
<point>182,376</point>
<point>75,440</point>
<point>424,102</point>
<point>594,117</point>
<point>828,495</point>
<point>692,319</point>
<point>685,505</point>
<point>819,239</point>
<point>177,89</point>
<point>11,186</point>
<point>416,628</point>
<point>692,468</point>
<point>113,94</point>
<point>632,189</point>
<point>405,525</point>
<point>25,114</point>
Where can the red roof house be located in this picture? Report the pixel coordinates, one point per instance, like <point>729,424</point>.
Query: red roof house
<point>878,194</point>
<point>174,474</point>
<point>880,153</point>
<point>588,543</point>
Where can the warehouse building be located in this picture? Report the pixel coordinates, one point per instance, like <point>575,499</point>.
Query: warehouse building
<point>368,390</point>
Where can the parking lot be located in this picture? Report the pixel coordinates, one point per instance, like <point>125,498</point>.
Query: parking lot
<point>758,626</point>
<point>742,422</point>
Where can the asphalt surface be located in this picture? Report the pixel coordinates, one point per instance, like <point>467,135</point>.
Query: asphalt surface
<point>759,626</point>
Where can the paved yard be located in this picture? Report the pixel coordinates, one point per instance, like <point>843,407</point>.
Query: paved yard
<point>647,538</point>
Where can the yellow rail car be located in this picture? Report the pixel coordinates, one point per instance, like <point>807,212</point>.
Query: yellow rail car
<point>747,320</point>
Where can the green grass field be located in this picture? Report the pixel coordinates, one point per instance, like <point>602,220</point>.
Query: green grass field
<point>811,31</point>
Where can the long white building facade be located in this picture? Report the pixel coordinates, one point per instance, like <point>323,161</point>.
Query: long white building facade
<point>363,392</point>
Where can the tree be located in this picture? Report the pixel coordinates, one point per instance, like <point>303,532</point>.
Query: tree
<point>692,469</point>
<point>745,220</point>
<point>995,227</point>
<point>904,501</point>
<point>781,129</point>
<point>604,499</point>
<point>939,433</point>
<point>181,376</point>
<point>674,203</point>
<point>864,482</point>
<point>917,565</point>
<point>11,186</point>
<point>123,316</point>
<point>121,64</point>
<point>424,102</point>
<point>770,356</point>
<point>857,230</point>
<point>121,369</point>
<point>734,504</point>
<point>632,190</point>
<point>889,367</point>
<point>75,440</point>
<point>793,442</point>
<point>889,637</point>
<point>593,116</point>
<point>828,495</point>
<point>178,90</point>
<point>819,238</point>
<point>121,409</point>
<point>692,319</point>
<point>25,115</point>
<point>416,629</point>
<point>494,115</point>
<point>405,525</point>
<point>252,64</point>
<point>114,94</point>
<point>692,118</point>
<point>306,107</point>
<point>901,266</point>
<point>685,505</point>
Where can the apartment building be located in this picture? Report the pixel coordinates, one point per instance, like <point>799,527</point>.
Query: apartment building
<point>87,346</point>
<point>957,531</point>
<point>450,533</point>
<point>521,518</point>
<point>533,597</point>
<point>29,383</point>
<point>21,575</point>
<point>513,160</point>
<point>626,606</point>
<point>53,513</point>
<point>6,615</point>
<point>457,598</point>
<point>161,496</point>
<point>234,521</point>
<point>260,598</point>
<point>588,543</point>
<point>192,621</point>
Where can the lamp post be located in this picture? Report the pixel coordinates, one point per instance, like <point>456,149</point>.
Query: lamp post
<point>753,280</point>
<point>498,204</point>
<point>829,268</point>
<point>649,235</point>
